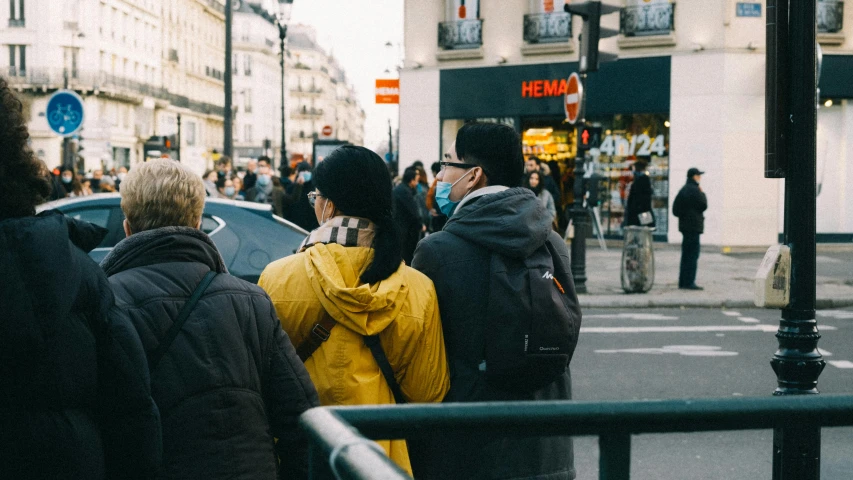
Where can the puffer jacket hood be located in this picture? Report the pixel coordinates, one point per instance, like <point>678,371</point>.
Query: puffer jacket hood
<point>512,222</point>
<point>334,275</point>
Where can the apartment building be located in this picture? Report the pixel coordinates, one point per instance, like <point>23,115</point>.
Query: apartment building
<point>687,91</point>
<point>138,65</point>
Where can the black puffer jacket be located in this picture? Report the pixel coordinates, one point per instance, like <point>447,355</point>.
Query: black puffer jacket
<point>689,205</point>
<point>231,380</point>
<point>511,223</point>
<point>639,200</point>
<point>71,385</point>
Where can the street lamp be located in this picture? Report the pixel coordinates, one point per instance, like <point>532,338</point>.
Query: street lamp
<point>281,19</point>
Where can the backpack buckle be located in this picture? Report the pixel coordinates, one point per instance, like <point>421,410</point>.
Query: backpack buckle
<point>320,332</point>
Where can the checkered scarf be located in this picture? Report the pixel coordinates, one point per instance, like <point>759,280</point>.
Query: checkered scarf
<point>346,231</point>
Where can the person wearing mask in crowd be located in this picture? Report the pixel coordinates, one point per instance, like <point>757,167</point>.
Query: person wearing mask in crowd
<point>67,178</point>
<point>251,175</point>
<point>76,401</point>
<point>226,189</point>
<point>108,185</point>
<point>534,164</point>
<point>639,197</point>
<point>348,279</point>
<point>421,191</point>
<point>238,188</point>
<point>437,219</point>
<point>223,167</point>
<point>486,266</point>
<point>210,178</point>
<point>224,374</point>
<point>533,181</point>
<point>57,190</point>
<point>406,213</point>
<point>301,211</point>
<point>689,206</point>
<point>262,192</point>
<point>85,187</point>
<point>122,173</point>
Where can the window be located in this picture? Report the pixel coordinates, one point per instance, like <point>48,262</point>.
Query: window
<point>247,65</point>
<point>235,65</point>
<point>17,60</point>
<point>70,58</point>
<point>189,132</point>
<point>210,224</point>
<point>247,101</point>
<point>16,13</point>
<point>247,133</point>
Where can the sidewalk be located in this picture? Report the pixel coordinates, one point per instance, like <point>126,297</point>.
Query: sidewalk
<point>726,278</point>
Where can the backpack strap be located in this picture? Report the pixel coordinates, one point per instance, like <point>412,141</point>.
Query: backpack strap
<point>320,332</point>
<point>560,272</point>
<point>161,350</point>
<point>375,347</point>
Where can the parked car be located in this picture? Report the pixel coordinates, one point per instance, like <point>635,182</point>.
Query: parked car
<point>247,234</point>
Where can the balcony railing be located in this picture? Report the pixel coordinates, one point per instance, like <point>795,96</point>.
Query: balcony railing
<point>102,81</point>
<point>306,91</point>
<point>646,20</point>
<point>17,23</point>
<point>308,112</point>
<point>547,27</point>
<point>460,34</point>
<point>830,16</point>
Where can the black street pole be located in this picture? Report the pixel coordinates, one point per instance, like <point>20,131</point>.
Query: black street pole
<point>228,140</point>
<point>797,363</point>
<point>282,34</point>
<point>580,214</point>
<point>391,148</point>
<point>178,140</point>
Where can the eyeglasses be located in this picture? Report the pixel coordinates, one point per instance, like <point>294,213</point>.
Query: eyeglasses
<point>457,165</point>
<point>312,198</point>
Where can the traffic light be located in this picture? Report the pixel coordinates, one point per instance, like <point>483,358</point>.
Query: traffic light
<point>167,142</point>
<point>590,137</point>
<point>591,13</point>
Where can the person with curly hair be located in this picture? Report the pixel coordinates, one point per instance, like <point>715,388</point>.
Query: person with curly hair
<point>76,400</point>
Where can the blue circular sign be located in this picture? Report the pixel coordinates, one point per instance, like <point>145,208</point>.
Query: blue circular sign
<point>65,112</point>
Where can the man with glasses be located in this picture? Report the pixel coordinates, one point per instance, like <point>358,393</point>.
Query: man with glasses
<point>494,224</point>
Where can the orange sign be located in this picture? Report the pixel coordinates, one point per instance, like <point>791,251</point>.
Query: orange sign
<point>388,91</point>
<point>573,98</point>
<point>327,131</point>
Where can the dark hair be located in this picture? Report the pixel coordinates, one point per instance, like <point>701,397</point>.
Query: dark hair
<point>435,167</point>
<point>496,148</point>
<point>264,158</point>
<point>535,159</point>
<point>224,160</point>
<point>538,188</point>
<point>640,166</point>
<point>303,167</point>
<point>409,174</point>
<point>418,163</point>
<point>357,180</point>
<point>23,178</point>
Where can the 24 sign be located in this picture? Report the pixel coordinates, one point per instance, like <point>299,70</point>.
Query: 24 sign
<point>640,145</point>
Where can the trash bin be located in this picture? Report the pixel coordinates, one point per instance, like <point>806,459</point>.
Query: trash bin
<point>638,260</point>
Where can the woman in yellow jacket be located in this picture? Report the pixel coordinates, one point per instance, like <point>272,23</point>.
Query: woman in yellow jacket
<point>350,269</point>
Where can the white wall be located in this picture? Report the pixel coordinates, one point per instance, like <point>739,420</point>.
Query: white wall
<point>419,122</point>
<point>834,174</point>
<point>717,117</point>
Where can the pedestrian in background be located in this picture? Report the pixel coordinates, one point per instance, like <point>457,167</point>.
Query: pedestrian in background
<point>407,216</point>
<point>301,211</point>
<point>533,181</point>
<point>262,192</point>
<point>534,164</point>
<point>689,206</point>
<point>437,219</point>
<point>210,178</point>
<point>122,172</point>
<point>238,188</point>
<point>485,265</point>
<point>640,198</point>
<point>76,403</point>
<point>251,176</point>
<point>224,375</point>
<point>348,280</point>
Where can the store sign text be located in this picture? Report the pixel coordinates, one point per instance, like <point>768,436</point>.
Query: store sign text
<point>640,145</point>
<point>544,88</point>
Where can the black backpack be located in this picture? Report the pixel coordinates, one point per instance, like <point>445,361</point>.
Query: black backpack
<point>532,323</point>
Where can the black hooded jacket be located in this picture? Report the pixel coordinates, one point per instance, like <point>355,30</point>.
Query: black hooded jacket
<point>230,381</point>
<point>512,223</point>
<point>75,401</point>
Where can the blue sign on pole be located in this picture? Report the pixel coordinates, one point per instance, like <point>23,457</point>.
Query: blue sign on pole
<point>65,112</point>
<point>748,9</point>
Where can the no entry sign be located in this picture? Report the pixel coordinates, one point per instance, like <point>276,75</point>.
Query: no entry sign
<point>573,99</point>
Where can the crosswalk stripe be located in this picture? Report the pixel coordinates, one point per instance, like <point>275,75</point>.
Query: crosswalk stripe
<point>841,363</point>
<point>686,329</point>
<point>748,320</point>
<point>731,314</point>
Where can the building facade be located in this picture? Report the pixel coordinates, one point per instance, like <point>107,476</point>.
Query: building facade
<point>687,91</point>
<point>141,67</point>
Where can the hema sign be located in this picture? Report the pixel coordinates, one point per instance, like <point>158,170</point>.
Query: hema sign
<point>387,90</point>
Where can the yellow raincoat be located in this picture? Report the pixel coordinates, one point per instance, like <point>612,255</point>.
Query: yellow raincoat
<point>403,309</point>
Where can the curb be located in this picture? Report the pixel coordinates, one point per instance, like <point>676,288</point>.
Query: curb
<point>632,301</point>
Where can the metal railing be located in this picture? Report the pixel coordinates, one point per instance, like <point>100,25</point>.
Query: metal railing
<point>307,112</point>
<point>101,81</point>
<point>306,90</point>
<point>339,436</point>
<point>644,20</point>
<point>460,34</point>
<point>830,16</point>
<point>547,27</point>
